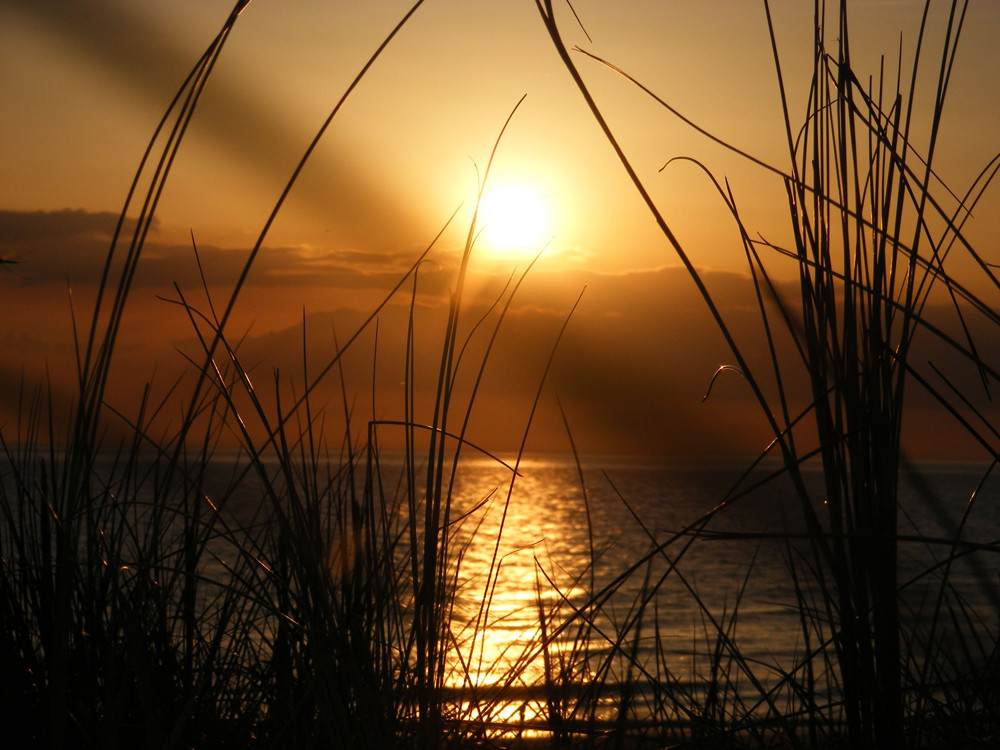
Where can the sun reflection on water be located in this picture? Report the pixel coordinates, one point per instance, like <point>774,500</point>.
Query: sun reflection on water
<point>529,643</point>
<point>513,552</point>
<point>502,583</point>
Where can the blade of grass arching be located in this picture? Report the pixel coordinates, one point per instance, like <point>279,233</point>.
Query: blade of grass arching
<point>301,164</point>
<point>756,266</point>
<point>853,213</point>
<point>192,84</point>
<point>546,12</point>
<point>97,364</point>
<point>793,177</point>
<point>680,116</point>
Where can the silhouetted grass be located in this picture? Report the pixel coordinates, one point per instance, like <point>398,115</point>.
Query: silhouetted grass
<point>872,233</point>
<point>301,591</point>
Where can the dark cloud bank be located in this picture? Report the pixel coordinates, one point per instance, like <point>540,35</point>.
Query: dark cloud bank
<point>72,246</point>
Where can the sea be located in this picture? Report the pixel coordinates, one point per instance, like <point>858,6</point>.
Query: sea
<point>696,572</point>
<point>697,575</point>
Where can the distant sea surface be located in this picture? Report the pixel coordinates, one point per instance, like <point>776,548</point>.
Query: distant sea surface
<point>652,530</point>
<point>704,550</point>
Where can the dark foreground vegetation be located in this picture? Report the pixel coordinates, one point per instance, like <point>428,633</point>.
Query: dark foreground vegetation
<point>158,592</point>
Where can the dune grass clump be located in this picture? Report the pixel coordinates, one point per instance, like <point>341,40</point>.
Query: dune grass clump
<point>873,231</point>
<point>302,591</point>
<point>159,591</point>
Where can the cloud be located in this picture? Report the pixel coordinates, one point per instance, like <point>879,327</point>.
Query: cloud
<point>72,245</point>
<point>27,227</point>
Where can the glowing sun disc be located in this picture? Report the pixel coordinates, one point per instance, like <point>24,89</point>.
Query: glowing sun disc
<point>514,218</point>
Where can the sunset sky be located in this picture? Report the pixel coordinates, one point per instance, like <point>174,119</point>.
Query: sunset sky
<point>84,85</point>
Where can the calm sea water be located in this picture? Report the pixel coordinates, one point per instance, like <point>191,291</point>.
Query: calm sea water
<point>554,539</point>
<point>630,559</point>
<point>652,573</point>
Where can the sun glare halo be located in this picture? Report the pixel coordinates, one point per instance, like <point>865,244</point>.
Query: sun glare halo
<point>514,218</point>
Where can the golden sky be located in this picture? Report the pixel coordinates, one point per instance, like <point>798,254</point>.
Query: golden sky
<point>85,84</point>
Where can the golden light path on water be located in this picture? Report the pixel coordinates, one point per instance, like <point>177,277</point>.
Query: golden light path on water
<point>510,583</point>
<point>542,574</point>
<point>512,662</point>
<point>529,561</point>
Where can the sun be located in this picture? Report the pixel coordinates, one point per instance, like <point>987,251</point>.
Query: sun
<point>514,218</point>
